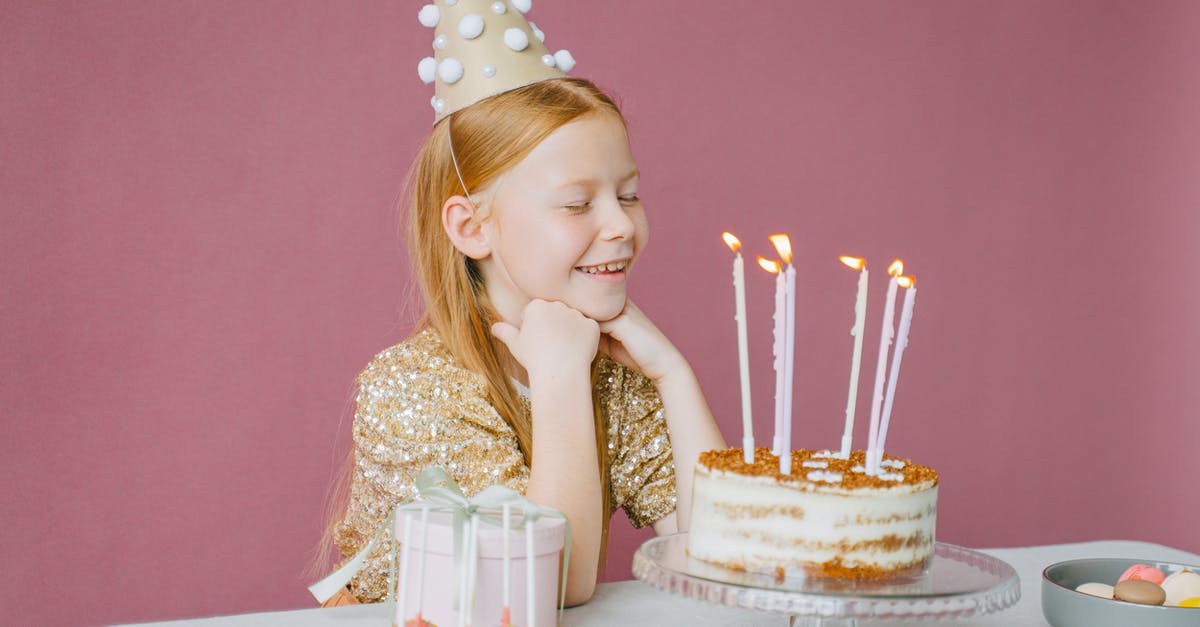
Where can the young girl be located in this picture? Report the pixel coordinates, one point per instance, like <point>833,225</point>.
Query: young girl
<point>530,367</point>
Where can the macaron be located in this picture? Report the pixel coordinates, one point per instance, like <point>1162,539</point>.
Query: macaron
<point>1139,591</point>
<point>1184,584</point>
<point>1143,572</point>
<point>1101,590</point>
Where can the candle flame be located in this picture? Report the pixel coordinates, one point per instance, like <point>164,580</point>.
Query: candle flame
<point>784,246</point>
<point>906,281</point>
<point>769,265</point>
<point>857,263</point>
<point>897,268</point>
<point>732,242</point>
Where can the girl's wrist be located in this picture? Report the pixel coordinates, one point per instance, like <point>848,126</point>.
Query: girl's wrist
<point>678,374</point>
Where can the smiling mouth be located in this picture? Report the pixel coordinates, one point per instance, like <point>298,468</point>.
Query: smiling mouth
<point>605,268</point>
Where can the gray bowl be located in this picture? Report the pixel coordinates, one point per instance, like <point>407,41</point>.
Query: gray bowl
<point>1064,607</point>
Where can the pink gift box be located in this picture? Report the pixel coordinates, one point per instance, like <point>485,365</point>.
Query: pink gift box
<point>549,535</point>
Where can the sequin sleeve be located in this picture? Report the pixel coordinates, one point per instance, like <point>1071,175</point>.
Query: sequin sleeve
<point>417,408</point>
<point>641,467</point>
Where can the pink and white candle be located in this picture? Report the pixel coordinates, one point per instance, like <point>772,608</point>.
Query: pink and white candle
<point>783,246</point>
<point>777,349</point>
<point>906,314</point>
<point>860,320</point>
<point>739,292</point>
<point>885,339</point>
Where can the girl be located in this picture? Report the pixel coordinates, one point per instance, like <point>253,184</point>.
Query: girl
<point>530,367</point>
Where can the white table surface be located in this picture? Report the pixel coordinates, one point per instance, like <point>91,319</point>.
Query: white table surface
<point>633,603</point>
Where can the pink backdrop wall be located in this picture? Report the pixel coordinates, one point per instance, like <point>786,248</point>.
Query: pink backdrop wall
<point>199,252</point>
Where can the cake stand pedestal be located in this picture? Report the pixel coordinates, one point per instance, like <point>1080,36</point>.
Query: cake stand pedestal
<point>959,583</point>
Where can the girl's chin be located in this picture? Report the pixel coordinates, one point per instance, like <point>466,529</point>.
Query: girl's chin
<point>603,312</point>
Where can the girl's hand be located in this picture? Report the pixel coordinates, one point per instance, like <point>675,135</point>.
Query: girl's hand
<point>634,342</point>
<point>553,338</point>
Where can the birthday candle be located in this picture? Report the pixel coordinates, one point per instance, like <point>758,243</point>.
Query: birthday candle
<point>739,292</point>
<point>780,318</point>
<point>784,246</point>
<point>906,313</point>
<point>860,319</point>
<point>885,339</point>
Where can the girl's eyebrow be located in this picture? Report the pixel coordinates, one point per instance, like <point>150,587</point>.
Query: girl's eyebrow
<point>589,182</point>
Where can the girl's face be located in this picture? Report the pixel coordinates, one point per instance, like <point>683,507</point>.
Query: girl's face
<point>566,223</point>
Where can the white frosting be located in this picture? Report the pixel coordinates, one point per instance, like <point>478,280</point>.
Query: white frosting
<point>516,39</point>
<point>439,42</point>
<point>808,463</point>
<point>537,32</point>
<point>892,463</point>
<point>489,71</point>
<point>761,524</point>
<point>566,62</point>
<point>429,16</point>
<point>891,476</point>
<point>522,5</point>
<point>548,60</point>
<point>827,476</point>
<point>470,26</point>
<point>827,455</point>
<point>499,8</point>
<point>450,70</point>
<point>427,69</point>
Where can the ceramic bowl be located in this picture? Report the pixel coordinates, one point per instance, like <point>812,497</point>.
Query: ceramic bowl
<point>1064,607</point>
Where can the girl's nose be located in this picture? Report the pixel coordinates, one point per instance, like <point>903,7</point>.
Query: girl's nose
<point>617,223</point>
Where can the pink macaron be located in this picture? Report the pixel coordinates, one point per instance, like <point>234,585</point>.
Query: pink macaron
<point>1143,572</point>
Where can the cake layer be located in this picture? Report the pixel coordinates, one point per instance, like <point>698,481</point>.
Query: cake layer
<point>825,519</point>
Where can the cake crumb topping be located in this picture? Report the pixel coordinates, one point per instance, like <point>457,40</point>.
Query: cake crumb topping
<point>766,464</point>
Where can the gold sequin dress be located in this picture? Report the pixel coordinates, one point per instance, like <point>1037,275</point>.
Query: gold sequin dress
<point>417,406</point>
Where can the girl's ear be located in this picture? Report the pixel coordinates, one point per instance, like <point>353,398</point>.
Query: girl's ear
<point>465,231</point>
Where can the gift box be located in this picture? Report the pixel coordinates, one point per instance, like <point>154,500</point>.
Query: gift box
<point>452,584</point>
<point>450,555</point>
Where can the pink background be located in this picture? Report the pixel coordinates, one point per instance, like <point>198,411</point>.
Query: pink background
<point>200,251</point>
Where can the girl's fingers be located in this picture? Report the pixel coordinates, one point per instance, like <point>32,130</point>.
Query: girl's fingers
<point>505,332</point>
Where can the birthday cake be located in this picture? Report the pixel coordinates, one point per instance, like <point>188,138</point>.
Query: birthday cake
<point>827,518</point>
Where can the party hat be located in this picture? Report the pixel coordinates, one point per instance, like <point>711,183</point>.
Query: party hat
<point>483,48</point>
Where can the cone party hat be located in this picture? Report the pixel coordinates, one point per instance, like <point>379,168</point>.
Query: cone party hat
<point>482,48</point>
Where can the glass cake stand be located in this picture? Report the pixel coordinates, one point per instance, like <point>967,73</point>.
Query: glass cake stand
<point>959,583</point>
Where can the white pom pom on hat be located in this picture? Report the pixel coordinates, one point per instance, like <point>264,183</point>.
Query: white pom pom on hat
<point>516,39</point>
<point>427,70</point>
<point>429,16</point>
<point>483,48</point>
<point>450,70</point>
<point>470,26</point>
<point>566,62</point>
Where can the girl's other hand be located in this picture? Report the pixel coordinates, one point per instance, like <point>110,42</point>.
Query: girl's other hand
<point>634,342</point>
<point>553,338</point>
